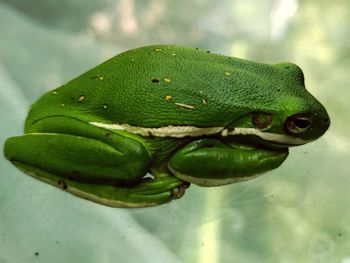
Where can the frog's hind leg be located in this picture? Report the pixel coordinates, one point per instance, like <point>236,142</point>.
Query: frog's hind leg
<point>103,166</point>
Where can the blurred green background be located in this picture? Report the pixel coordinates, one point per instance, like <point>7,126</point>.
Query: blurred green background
<point>297,213</point>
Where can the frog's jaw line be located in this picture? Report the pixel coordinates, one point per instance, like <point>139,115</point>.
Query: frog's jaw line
<point>266,136</point>
<point>193,131</point>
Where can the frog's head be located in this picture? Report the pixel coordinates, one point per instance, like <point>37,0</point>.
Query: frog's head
<point>286,114</point>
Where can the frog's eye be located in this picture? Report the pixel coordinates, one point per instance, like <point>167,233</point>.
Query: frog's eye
<point>297,123</point>
<point>261,120</point>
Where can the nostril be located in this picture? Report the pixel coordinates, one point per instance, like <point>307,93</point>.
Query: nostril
<point>297,123</point>
<point>326,120</point>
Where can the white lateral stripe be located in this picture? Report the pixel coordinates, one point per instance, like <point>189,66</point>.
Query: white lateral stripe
<point>167,131</point>
<point>193,131</point>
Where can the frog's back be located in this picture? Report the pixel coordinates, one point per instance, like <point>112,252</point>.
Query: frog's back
<point>164,85</point>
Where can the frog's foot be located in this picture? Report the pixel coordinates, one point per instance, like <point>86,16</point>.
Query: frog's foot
<point>149,192</point>
<point>158,190</point>
<point>180,190</point>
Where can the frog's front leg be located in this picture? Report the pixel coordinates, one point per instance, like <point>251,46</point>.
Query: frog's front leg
<point>210,162</point>
<point>93,163</point>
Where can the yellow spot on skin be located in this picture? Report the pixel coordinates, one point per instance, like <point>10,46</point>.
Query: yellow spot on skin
<point>98,77</point>
<point>174,54</point>
<point>204,101</point>
<point>54,92</point>
<point>81,98</point>
<point>158,49</point>
<point>168,97</point>
<point>105,106</point>
<point>62,105</point>
<point>167,80</point>
<point>227,73</point>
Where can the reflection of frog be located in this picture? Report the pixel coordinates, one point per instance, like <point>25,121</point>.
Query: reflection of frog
<point>182,114</point>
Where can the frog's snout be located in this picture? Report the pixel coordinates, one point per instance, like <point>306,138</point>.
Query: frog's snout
<point>310,126</point>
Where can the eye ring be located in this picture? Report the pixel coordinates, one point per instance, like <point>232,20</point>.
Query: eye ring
<point>262,121</point>
<point>297,123</point>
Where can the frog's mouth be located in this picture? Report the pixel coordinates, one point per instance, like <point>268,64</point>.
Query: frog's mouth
<point>266,138</point>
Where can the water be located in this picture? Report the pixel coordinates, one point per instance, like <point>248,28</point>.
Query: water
<point>297,213</point>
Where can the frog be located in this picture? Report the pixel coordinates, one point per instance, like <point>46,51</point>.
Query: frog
<point>140,128</point>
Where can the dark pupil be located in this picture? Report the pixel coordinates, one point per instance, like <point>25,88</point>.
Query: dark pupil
<point>297,123</point>
<point>302,123</point>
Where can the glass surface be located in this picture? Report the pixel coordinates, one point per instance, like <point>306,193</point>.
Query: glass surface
<point>297,213</point>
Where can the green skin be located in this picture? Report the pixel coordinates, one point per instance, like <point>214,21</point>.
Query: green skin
<point>182,114</point>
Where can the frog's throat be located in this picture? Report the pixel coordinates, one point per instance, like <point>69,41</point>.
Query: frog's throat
<point>193,131</point>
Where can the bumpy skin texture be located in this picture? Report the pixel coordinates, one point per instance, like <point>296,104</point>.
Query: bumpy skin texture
<point>157,87</point>
<point>115,90</point>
